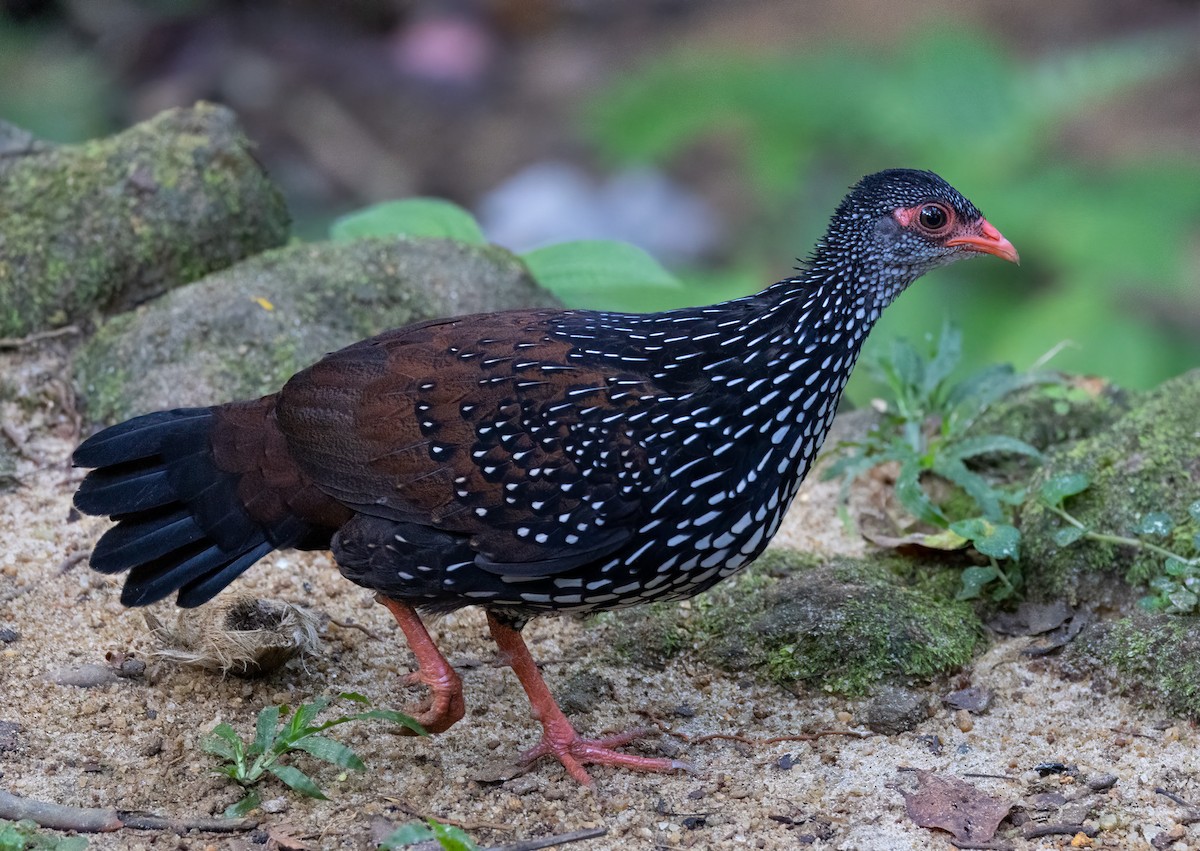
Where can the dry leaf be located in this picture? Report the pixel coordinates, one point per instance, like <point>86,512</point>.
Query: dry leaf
<point>955,806</point>
<point>283,837</point>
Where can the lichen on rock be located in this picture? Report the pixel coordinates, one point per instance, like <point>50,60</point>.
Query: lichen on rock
<point>107,224</point>
<point>242,332</point>
<point>837,624</point>
<point>1146,461</point>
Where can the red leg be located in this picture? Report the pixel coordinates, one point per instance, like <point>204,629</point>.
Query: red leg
<point>445,704</point>
<point>558,736</point>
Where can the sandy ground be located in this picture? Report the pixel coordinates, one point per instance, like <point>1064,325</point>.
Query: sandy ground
<point>133,744</point>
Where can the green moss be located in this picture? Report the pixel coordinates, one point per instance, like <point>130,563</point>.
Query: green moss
<point>110,223</point>
<point>1145,461</point>
<point>1152,657</point>
<point>840,625</point>
<point>1050,415</point>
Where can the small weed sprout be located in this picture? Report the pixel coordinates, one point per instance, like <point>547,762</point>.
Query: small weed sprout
<point>926,429</point>
<point>1176,589</point>
<point>276,734</point>
<point>448,837</point>
<point>24,836</point>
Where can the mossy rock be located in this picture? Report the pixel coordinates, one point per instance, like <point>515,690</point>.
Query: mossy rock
<point>840,625</point>
<point>1154,658</point>
<point>242,332</point>
<point>107,224</point>
<point>1146,461</point>
<point>1046,416</point>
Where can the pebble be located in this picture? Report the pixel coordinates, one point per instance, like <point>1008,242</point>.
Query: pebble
<point>275,805</point>
<point>964,721</point>
<point>1102,783</point>
<point>896,710</point>
<point>85,676</point>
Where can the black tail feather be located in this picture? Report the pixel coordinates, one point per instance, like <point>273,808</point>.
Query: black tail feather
<point>181,525</point>
<point>143,537</point>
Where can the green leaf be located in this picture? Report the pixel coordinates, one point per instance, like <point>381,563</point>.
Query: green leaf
<point>1068,535</point>
<point>913,497</point>
<point>414,217</point>
<point>998,540</point>
<point>300,723</point>
<point>354,697</point>
<point>1178,567</point>
<point>946,355</point>
<point>244,806</point>
<point>976,486</point>
<point>224,742</point>
<point>1183,600</point>
<point>407,834</point>
<point>452,838</point>
<point>1155,524</point>
<point>1194,510</point>
<point>984,444</point>
<point>1152,603</point>
<point>264,730</point>
<point>1058,488</point>
<point>974,580</point>
<point>604,275</point>
<point>298,780</point>
<point>330,751</point>
<point>393,716</point>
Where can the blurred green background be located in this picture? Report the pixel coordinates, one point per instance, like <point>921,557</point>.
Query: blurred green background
<point>1075,127</point>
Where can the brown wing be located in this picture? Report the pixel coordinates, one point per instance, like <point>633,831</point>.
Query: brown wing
<point>480,425</point>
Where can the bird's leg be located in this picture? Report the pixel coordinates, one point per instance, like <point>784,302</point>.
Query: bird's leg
<point>558,736</point>
<point>445,704</point>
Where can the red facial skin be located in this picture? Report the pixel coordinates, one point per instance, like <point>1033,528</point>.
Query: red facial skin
<point>978,236</point>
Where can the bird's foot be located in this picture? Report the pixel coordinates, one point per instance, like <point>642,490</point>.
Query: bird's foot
<point>445,704</point>
<point>560,740</point>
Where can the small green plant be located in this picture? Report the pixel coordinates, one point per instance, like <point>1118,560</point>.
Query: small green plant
<point>926,430</point>
<point>447,836</point>
<point>1000,543</point>
<point>280,731</point>
<point>24,836</point>
<point>1177,588</point>
<point>600,274</point>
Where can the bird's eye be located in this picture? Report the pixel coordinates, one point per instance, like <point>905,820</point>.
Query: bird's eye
<point>933,217</point>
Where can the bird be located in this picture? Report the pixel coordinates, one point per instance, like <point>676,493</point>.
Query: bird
<point>529,462</point>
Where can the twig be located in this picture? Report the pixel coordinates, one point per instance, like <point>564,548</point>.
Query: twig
<point>148,821</point>
<point>747,740</point>
<point>105,819</point>
<point>18,443</point>
<point>1036,831</point>
<point>409,810</point>
<point>551,841</point>
<point>1133,733</point>
<point>58,816</point>
<point>72,560</point>
<point>774,740</point>
<point>994,845</point>
<point>12,343</point>
<point>353,625</point>
<point>1193,812</point>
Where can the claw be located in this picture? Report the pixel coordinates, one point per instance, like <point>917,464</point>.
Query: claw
<point>574,752</point>
<point>559,738</point>
<point>445,704</point>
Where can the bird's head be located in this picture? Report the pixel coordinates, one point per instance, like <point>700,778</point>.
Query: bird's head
<point>901,223</point>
